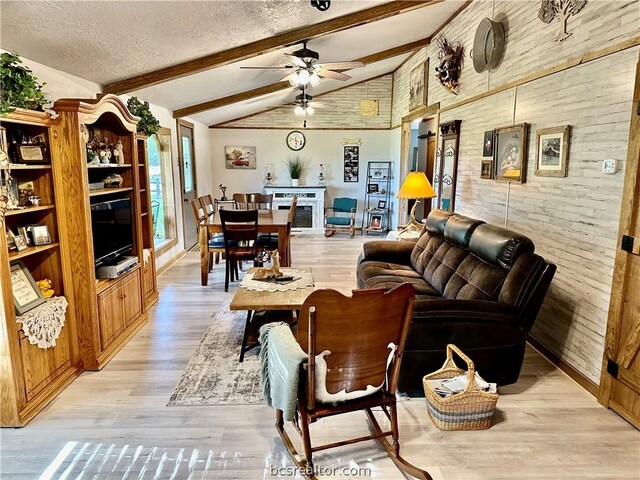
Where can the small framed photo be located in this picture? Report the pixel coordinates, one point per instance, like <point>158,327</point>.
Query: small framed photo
<point>510,153</point>
<point>24,233</point>
<point>19,241</point>
<point>377,173</point>
<point>552,151</point>
<point>376,222</point>
<point>487,144</point>
<point>382,204</point>
<point>40,234</point>
<point>26,294</point>
<point>30,153</point>
<point>26,191</point>
<point>486,169</point>
<point>372,188</point>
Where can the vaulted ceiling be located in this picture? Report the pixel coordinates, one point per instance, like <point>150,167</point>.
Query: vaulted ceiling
<point>185,55</point>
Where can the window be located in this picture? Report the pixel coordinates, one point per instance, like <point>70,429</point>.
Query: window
<point>161,190</point>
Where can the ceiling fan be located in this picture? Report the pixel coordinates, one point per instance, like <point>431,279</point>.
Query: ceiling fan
<point>304,104</point>
<point>307,70</point>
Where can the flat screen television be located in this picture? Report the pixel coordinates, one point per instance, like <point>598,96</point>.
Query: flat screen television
<point>112,230</point>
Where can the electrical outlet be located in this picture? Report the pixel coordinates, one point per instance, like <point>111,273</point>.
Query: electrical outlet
<point>609,166</point>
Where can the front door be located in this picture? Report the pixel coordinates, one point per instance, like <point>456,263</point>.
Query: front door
<point>620,380</point>
<point>188,181</point>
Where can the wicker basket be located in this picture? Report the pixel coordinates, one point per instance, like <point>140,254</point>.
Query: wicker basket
<point>470,409</point>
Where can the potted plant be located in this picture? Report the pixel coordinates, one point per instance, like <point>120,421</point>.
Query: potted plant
<point>19,88</point>
<point>148,124</point>
<point>295,166</point>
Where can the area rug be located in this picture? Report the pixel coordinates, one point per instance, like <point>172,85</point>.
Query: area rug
<point>213,375</point>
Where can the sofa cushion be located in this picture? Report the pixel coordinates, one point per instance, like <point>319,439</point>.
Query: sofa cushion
<point>459,229</point>
<point>499,246</point>
<point>424,250</point>
<point>475,280</point>
<point>436,221</point>
<point>385,275</point>
<point>442,263</point>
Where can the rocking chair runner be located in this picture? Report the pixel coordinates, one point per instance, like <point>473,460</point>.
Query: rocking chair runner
<point>335,217</point>
<point>353,372</point>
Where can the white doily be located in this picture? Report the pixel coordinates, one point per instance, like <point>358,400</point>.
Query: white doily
<point>43,324</point>
<point>305,280</point>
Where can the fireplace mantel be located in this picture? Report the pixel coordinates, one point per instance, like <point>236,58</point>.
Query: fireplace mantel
<point>312,196</point>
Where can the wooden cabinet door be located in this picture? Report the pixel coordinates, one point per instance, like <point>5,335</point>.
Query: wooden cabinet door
<point>110,315</point>
<point>132,298</point>
<point>620,381</point>
<point>42,366</point>
<point>149,276</point>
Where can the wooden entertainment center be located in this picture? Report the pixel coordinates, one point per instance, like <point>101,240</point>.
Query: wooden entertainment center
<point>102,314</point>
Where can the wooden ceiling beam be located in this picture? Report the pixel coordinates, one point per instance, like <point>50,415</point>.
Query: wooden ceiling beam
<point>278,86</point>
<point>260,47</point>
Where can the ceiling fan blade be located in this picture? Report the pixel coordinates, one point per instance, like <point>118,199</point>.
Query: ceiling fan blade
<point>296,60</point>
<point>341,65</point>
<point>286,78</point>
<point>334,75</point>
<point>269,68</point>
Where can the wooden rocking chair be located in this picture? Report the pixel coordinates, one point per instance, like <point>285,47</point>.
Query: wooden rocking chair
<point>358,362</point>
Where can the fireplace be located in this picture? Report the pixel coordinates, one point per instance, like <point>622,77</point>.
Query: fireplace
<point>309,216</point>
<point>303,217</point>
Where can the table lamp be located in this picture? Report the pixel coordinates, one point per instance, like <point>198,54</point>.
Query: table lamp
<point>415,187</point>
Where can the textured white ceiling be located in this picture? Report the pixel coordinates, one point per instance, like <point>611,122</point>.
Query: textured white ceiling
<point>347,45</point>
<point>105,41</point>
<point>108,41</point>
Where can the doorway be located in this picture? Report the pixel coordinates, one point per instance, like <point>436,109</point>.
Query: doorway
<point>187,160</point>
<point>620,379</point>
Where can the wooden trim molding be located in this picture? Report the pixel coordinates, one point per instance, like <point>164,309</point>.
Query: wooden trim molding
<point>279,86</point>
<point>426,111</point>
<point>260,47</point>
<point>576,376</point>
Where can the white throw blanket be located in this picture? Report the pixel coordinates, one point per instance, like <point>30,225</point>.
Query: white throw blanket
<point>280,360</point>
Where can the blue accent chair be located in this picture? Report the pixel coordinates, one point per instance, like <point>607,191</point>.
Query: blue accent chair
<point>342,216</point>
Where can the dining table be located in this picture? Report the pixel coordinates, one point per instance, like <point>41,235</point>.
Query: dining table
<point>269,221</point>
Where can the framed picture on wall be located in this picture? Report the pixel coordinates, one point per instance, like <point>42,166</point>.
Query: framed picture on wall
<point>26,294</point>
<point>552,151</point>
<point>486,169</point>
<point>487,144</point>
<point>510,153</point>
<point>243,158</point>
<point>351,163</point>
<point>418,86</point>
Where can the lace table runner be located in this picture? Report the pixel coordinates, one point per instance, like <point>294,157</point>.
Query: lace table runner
<point>305,280</point>
<point>43,324</point>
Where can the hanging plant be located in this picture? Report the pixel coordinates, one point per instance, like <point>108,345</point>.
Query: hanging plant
<point>148,124</point>
<point>19,88</point>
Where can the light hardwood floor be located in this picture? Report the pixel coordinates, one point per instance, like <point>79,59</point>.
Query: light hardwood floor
<point>115,423</point>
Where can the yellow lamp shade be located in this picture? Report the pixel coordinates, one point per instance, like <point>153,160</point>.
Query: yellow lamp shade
<point>416,185</point>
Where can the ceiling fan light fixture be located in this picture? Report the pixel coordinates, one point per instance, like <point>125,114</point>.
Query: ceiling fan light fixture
<point>310,110</point>
<point>298,110</point>
<point>303,76</point>
<point>314,79</point>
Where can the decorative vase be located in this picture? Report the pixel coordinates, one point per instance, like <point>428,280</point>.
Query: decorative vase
<point>295,182</point>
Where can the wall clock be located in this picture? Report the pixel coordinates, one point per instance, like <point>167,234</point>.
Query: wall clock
<point>296,140</point>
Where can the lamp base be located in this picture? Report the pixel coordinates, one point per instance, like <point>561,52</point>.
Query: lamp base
<point>413,223</point>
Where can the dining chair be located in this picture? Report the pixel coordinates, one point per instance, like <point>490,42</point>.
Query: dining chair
<point>242,201</point>
<point>207,203</point>
<point>270,240</point>
<point>344,373</point>
<point>216,242</point>
<point>260,201</point>
<point>240,230</point>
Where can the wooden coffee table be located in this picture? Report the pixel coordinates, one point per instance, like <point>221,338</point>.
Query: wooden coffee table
<point>252,301</point>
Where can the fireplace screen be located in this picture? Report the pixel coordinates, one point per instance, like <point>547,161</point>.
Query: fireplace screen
<point>303,217</point>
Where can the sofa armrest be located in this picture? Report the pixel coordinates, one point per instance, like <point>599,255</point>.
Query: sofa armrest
<point>440,309</point>
<point>388,251</point>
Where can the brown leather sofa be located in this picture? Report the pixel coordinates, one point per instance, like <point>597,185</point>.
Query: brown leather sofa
<point>477,285</point>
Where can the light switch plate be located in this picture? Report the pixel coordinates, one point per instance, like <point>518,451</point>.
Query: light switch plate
<point>609,166</point>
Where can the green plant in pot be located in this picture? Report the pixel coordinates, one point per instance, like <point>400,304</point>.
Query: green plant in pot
<point>295,166</point>
<point>19,88</point>
<point>148,124</point>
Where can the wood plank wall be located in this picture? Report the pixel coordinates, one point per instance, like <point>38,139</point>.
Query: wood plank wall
<point>573,220</point>
<point>342,110</point>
